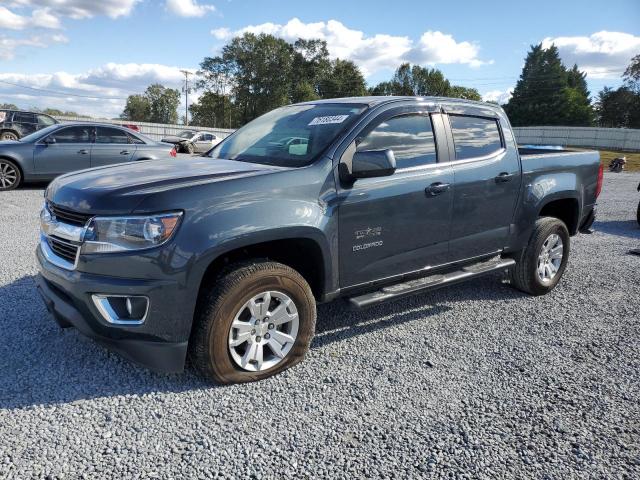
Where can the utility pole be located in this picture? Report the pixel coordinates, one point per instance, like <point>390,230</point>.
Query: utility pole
<point>185,89</point>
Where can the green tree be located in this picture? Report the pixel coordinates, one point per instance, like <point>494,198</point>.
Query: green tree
<point>632,74</point>
<point>137,109</point>
<point>8,106</point>
<point>164,103</point>
<point>422,81</point>
<point>618,108</point>
<point>549,94</point>
<point>213,110</point>
<point>158,104</point>
<point>343,79</point>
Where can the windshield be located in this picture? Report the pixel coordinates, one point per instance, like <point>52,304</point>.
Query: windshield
<point>291,136</point>
<point>39,133</point>
<point>186,134</point>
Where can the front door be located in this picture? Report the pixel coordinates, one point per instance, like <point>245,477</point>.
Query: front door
<point>112,146</point>
<point>400,223</point>
<point>65,150</point>
<point>487,178</point>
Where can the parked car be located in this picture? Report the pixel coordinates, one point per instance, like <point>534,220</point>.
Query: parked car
<point>67,147</point>
<point>224,258</point>
<point>15,124</point>
<point>192,141</point>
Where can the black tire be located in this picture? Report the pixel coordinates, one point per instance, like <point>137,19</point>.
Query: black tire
<point>524,275</point>
<point>638,214</point>
<point>209,350</point>
<point>8,135</point>
<point>10,175</point>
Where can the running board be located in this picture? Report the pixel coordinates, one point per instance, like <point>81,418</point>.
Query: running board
<point>419,285</point>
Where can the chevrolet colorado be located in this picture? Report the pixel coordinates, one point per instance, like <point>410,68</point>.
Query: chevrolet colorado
<point>220,260</point>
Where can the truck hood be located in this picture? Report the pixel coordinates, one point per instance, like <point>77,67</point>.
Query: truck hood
<point>121,188</point>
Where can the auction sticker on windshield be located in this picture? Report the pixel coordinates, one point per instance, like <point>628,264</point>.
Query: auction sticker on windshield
<point>328,119</point>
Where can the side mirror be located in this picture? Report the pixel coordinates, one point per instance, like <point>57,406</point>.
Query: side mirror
<point>373,163</point>
<point>50,140</point>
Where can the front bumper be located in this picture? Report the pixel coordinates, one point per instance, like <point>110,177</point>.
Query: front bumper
<point>159,344</point>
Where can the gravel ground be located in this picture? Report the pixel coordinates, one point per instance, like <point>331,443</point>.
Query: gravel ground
<point>475,381</point>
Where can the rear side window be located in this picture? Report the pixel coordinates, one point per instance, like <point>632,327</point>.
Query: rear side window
<point>409,136</point>
<point>475,136</point>
<point>21,117</point>
<point>45,120</point>
<point>111,135</point>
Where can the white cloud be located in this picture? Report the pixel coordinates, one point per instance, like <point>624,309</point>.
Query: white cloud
<point>99,92</point>
<point>189,8</point>
<point>40,17</point>
<point>370,53</point>
<point>8,45</point>
<point>602,54</point>
<point>499,96</point>
<point>78,9</point>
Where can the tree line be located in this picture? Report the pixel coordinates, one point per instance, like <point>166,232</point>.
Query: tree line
<point>256,73</point>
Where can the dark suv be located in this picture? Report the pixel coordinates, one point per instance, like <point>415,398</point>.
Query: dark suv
<point>15,124</point>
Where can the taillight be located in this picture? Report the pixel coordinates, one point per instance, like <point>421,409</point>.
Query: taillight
<point>600,178</point>
<point>173,152</point>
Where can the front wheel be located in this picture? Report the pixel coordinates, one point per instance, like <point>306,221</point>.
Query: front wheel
<point>257,320</point>
<point>540,265</point>
<point>638,214</point>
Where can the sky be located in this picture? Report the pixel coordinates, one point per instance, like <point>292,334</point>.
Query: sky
<point>88,56</point>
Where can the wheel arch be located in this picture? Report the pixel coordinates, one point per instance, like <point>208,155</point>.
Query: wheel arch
<point>565,208</point>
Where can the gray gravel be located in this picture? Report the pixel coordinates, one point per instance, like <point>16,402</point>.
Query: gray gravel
<point>476,381</point>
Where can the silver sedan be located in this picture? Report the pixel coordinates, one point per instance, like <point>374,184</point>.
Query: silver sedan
<point>68,147</point>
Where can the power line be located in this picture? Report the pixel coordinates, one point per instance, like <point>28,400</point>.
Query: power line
<point>60,93</point>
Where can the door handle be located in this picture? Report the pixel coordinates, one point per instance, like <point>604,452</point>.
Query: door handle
<point>83,151</point>
<point>124,152</point>
<point>504,177</point>
<point>437,188</point>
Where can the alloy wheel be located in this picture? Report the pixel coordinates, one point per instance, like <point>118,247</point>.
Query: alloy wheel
<point>8,175</point>
<point>263,331</point>
<point>550,258</point>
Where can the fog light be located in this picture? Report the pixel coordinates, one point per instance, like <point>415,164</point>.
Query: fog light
<point>122,309</point>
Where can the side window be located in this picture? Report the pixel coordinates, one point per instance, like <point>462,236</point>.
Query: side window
<point>111,135</point>
<point>409,136</point>
<point>475,136</point>
<point>73,135</point>
<point>45,120</point>
<point>134,139</point>
<point>207,137</point>
<point>22,117</point>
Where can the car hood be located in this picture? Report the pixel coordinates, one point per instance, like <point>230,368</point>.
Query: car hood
<point>121,188</point>
<point>174,139</point>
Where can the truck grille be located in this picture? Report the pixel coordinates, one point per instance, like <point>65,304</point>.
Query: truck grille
<point>63,248</point>
<point>68,216</point>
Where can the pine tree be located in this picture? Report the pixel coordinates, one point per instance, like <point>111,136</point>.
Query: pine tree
<point>549,94</point>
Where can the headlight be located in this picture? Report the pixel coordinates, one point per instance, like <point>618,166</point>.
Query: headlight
<point>123,234</point>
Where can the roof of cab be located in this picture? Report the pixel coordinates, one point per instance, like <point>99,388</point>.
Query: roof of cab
<point>379,100</point>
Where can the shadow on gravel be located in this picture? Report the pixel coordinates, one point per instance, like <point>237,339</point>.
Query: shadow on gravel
<point>42,364</point>
<point>623,228</point>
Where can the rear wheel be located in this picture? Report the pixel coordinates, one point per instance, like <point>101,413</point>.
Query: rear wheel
<point>257,320</point>
<point>8,136</point>
<point>540,265</point>
<point>10,176</point>
<point>638,214</point>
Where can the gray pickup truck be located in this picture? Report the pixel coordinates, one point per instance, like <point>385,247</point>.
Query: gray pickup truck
<point>221,259</point>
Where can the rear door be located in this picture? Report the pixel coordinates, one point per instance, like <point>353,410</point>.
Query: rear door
<point>392,225</point>
<point>203,142</point>
<point>69,150</point>
<point>487,182</point>
<point>25,122</point>
<point>112,146</point>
